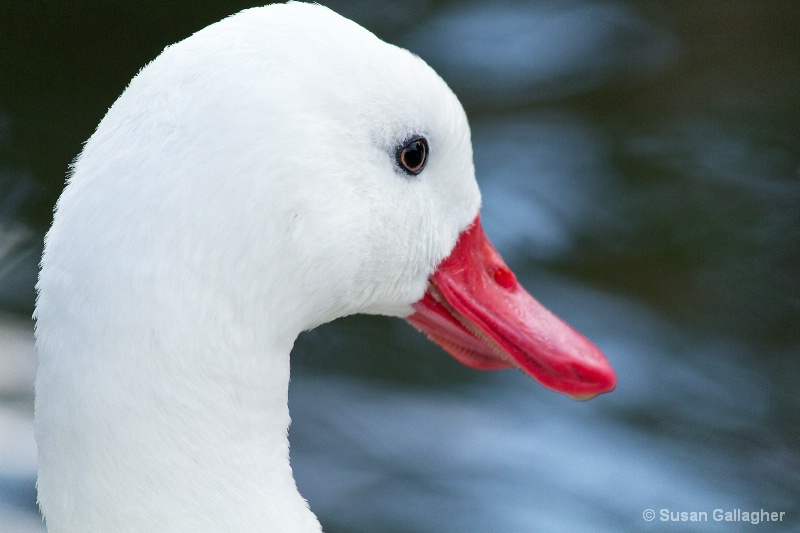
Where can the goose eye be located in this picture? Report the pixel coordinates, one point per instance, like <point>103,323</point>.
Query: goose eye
<point>412,155</point>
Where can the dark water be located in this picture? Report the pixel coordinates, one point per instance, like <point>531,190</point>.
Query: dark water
<point>640,166</point>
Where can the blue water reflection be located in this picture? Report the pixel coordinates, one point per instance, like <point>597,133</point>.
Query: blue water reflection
<point>508,456</point>
<point>505,53</point>
<point>543,178</point>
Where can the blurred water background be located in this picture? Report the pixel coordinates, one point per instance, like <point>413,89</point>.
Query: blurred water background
<point>640,166</point>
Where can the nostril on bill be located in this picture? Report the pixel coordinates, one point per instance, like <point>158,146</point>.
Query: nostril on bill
<point>504,277</point>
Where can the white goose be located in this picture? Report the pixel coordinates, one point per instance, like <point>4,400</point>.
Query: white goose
<point>274,171</point>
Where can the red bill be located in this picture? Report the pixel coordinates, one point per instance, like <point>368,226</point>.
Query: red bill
<point>475,309</point>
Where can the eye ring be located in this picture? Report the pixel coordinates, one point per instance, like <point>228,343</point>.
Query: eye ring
<point>412,155</point>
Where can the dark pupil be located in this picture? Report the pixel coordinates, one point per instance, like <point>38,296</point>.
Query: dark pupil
<point>413,156</point>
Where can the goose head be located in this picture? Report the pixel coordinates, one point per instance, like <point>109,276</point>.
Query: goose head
<point>274,171</point>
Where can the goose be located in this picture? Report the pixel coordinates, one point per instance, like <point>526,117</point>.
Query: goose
<point>272,172</point>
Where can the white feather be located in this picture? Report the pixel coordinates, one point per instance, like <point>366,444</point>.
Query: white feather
<point>241,190</point>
